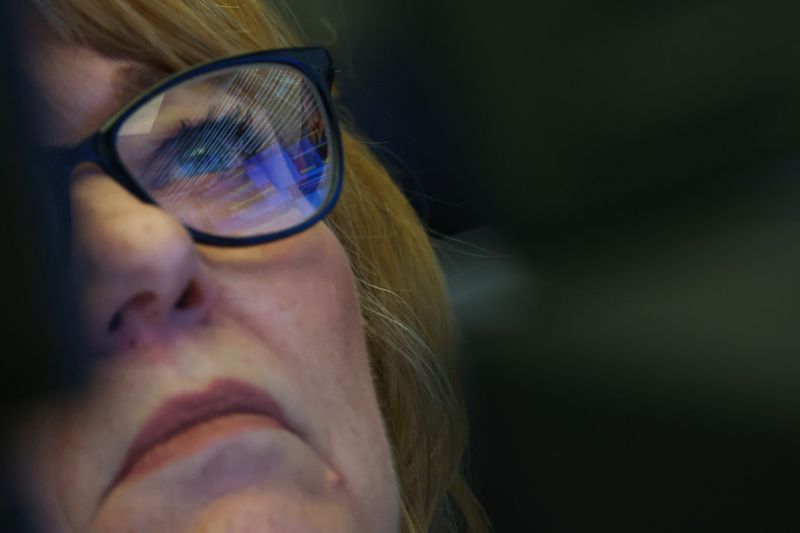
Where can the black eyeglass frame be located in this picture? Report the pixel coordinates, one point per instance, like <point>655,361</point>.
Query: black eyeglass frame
<point>315,63</point>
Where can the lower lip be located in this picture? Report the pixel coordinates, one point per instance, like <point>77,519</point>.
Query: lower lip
<point>194,439</point>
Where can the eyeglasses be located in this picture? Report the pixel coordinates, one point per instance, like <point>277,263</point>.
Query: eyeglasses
<point>242,151</point>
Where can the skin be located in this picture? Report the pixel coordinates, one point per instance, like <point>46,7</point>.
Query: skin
<point>283,317</point>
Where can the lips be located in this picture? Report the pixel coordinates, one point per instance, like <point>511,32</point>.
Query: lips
<point>219,406</point>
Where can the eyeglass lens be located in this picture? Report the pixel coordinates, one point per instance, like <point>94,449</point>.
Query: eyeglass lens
<point>239,152</point>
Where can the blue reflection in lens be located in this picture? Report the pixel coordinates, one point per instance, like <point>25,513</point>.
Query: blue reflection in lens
<point>290,169</point>
<point>311,168</point>
<point>219,144</point>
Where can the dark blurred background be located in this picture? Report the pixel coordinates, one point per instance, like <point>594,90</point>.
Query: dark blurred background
<point>42,354</point>
<point>614,187</point>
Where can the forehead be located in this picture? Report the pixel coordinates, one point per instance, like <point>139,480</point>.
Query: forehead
<point>81,87</point>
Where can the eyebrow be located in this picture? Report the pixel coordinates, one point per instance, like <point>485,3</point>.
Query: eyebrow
<point>130,80</point>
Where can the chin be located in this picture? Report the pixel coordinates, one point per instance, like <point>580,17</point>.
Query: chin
<point>248,511</point>
<point>267,512</point>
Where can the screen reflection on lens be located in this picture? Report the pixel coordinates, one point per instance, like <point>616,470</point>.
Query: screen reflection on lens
<point>240,152</point>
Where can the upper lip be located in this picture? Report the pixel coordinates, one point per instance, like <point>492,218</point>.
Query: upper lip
<point>221,397</point>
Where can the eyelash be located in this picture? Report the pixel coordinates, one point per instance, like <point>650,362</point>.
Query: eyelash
<point>242,124</point>
<point>239,134</point>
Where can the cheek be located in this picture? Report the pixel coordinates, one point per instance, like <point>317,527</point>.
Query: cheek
<point>299,300</point>
<point>298,296</point>
<point>302,304</point>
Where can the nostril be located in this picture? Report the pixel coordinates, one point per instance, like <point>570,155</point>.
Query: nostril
<point>192,296</point>
<point>141,302</point>
<point>116,322</point>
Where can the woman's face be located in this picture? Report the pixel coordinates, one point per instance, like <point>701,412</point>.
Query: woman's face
<point>233,391</point>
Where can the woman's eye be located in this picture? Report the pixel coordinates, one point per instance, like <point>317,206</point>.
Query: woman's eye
<point>205,159</point>
<point>213,146</point>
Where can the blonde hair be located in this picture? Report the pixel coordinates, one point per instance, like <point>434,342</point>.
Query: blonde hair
<point>400,285</point>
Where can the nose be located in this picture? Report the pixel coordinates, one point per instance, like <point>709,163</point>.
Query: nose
<point>140,275</point>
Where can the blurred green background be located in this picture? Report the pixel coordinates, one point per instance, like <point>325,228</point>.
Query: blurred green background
<point>614,187</point>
